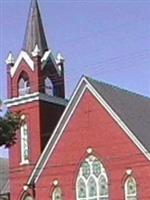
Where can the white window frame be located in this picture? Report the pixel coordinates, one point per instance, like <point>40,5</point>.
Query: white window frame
<point>24,139</point>
<point>80,176</point>
<point>127,195</point>
<point>56,190</point>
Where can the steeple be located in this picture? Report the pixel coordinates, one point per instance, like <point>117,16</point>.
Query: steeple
<point>34,34</point>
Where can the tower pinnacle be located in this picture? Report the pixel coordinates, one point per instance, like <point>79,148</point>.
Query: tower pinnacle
<point>34,34</point>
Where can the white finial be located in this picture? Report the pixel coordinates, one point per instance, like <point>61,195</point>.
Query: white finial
<point>89,150</point>
<point>129,171</point>
<point>10,59</point>
<point>55,182</point>
<point>25,187</point>
<point>36,51</point>
<point>60,58</point>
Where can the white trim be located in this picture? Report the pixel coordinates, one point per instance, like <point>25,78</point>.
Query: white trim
<point>45,56</point>
<point>34,97</point>
<point>51,138</point>
<point>24,139</point>
<point>48,54</point>
<point>105,105</point>
<point>127,195</point>
<point>26,57</point>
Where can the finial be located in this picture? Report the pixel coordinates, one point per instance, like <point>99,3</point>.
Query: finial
<point>10,59</point>
<point>34,33</point>
<point>60,58</point>
<point>36,51</point>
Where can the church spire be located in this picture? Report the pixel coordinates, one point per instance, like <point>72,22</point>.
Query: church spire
<point>34,34</point>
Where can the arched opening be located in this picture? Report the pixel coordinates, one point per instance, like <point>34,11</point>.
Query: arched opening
<point>130,189</point>
<point>23,84</point>
<point>92,181</point>
<point>57,194</point>
<point>48,85</point>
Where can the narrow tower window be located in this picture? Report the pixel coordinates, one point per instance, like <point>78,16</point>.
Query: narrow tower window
<point>24,144</point>
<point>57,194</point>
<point>23,84</point>
<point>92,181</point>
<point>130,189</point>
<point>48,86</point>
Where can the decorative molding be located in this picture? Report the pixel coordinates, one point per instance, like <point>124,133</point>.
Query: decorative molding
<point>26,57</point>
<point>36,51</point>
<point>129,172</point>
<point>48,54</point>
<point>35,97</point>
<point>55,182</point>
<point>89,150</point>
<point>10,59</point>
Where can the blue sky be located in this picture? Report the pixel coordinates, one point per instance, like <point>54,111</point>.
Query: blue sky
<point>107,40</point>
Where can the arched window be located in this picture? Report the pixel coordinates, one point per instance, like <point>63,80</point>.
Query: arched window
<point>23,84</point>
<point>130,189</point>
<point>24,144</point>
<point>48,86</point>
<point>57,194</point>
<point>92,181</point>
<point>28,198</point>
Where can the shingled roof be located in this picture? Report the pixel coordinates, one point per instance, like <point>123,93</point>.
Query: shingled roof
<point>34,34</point>
<point>132,108</point>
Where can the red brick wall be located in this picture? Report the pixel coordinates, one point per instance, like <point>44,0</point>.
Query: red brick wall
<point>92,126</point>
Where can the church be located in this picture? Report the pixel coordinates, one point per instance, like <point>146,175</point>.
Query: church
<point>96,146</point>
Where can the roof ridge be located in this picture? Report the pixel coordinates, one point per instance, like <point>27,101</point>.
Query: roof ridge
<point>118,88</point>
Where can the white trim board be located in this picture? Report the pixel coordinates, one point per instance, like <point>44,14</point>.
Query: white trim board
<point>34,97</point>
<point>26,57</point>
<point>83,85</point>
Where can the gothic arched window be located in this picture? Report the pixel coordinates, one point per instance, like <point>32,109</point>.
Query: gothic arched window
<point>130,189</point>
<point>57,194</point>
<point>28,198</point>
<point>48,85</point>
<point>24,143</point>
<point>23,84</point>
<point>92,181</point>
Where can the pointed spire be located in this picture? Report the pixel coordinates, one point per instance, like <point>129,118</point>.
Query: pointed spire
<point>34,34</point>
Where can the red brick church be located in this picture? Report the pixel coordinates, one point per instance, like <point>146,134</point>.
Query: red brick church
<point>96,146</point>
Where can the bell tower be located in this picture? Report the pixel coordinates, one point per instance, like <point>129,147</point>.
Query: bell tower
<point>36,90</point>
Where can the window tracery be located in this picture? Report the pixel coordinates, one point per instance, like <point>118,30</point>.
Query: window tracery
<point>57,194</point>
<point>130,189</point>
<point>92,182</point>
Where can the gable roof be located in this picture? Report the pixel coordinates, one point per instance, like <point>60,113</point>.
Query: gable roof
<point>119,104</point>
<point>133,109</point>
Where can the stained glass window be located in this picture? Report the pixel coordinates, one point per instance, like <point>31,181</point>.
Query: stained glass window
<point>130,189</point>
<point>57,194</point>
<point>24,144</point>
<point>28,198</point>
<point>86,169</point>
<point>81,188</point>
<point>92,182</point>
